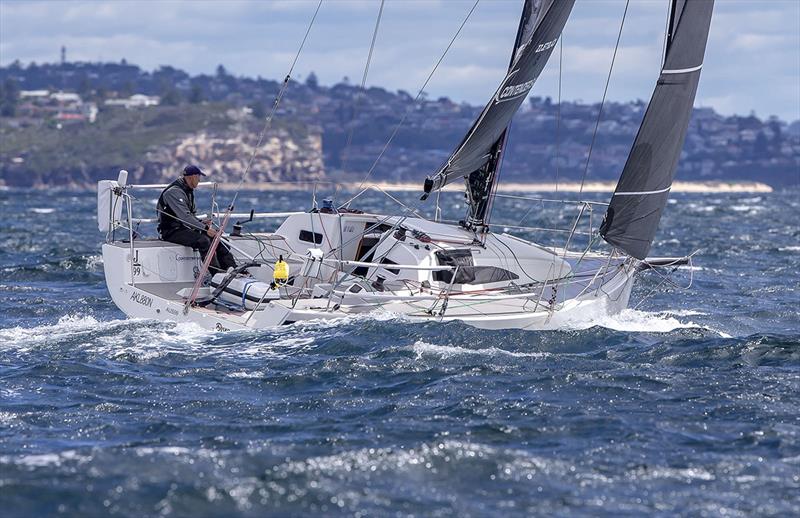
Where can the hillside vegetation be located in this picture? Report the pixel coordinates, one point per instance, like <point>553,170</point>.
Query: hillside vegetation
<point>334,132</point>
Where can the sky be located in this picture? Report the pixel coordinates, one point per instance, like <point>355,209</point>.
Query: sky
<point>752,61</point>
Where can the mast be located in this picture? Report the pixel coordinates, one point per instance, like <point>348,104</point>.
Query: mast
<point>641,194</point>
<point>477,157</point>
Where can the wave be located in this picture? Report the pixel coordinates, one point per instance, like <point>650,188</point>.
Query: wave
<point>421,349</point>
<point>79,267</point>
<point>129,336</point>
<point>683,312</point>
<point>759,350</point>
<point>140,340</point>
<point>637,321</point>
<point>41,460</point>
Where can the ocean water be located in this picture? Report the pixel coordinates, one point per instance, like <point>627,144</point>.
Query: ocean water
<point>688,403</point>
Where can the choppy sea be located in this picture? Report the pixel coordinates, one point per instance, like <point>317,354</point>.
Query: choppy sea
<point>688,403</point>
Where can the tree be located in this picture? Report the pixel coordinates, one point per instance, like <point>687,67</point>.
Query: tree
<point>774,124</point>
<point>127,89</point>
<point>170,96</point>
<point>100,93</point>
<point>258,110</point>
<point>9,98</point>
<point>84,85</point>
<point>761,146</point>
<point>311,81</point>
<point>221,72</point>
<point>196,94</point>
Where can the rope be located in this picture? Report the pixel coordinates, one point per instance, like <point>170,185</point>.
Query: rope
<point>602,102</point>
<point>419,94</point>
<point>346,154</point>
<point>667,279</point>
<point>495,183</point>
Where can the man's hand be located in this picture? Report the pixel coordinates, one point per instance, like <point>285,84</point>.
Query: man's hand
<point>209,223</point>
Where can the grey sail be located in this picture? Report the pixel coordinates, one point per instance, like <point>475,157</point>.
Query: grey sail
<point>479,152</point>
<point>632,217</point>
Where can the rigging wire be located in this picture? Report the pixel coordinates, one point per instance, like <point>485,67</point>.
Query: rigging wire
<point>605,92</point>
<point>413,104</point>
<point>558,113</point>
<point>275,104</point>
<point>212,251</point>
<point>345,153</point>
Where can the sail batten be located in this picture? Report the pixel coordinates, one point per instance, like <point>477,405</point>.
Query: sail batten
<point>682,70</point>
<point>641,194</point>
<point>477,157</point>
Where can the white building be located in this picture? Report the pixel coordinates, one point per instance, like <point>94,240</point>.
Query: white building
<point>135,101</point>
<point>66,97</point>
<point>34,94</point>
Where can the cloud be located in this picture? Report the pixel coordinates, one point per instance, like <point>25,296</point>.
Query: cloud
<point>754,41</point>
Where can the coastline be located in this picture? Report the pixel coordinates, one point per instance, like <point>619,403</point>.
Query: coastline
<point>549,187</point>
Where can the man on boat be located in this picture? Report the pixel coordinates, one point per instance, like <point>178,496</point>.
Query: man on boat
<point>178,223</point>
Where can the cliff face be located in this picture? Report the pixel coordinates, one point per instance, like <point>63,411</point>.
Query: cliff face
<point>280,157</point>
<point>155,144</point>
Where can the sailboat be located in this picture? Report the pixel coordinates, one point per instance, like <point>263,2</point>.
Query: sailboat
<point>335,262</point>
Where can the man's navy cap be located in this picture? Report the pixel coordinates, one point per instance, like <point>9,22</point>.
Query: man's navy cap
<point>191,170</point>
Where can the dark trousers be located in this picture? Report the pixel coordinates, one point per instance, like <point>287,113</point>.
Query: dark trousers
<point>222,260</point>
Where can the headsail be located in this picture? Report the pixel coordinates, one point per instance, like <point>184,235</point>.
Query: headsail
<point>641,194</point>
<point>540,27</point>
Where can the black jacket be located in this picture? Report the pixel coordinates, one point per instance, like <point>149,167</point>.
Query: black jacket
<point>176,209</point>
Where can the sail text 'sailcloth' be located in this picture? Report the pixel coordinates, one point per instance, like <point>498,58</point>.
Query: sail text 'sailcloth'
<point>641,194</point>
<point>541,26</point>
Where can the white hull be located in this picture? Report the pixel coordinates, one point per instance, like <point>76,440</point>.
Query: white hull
<point>150,300</point>
<point>351,263</point>
<point>137,303</point>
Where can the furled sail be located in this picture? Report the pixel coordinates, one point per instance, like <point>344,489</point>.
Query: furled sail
<point>632,217</point>
<point>540,27</point>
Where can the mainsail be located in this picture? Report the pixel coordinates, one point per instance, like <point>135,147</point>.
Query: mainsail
<point>477,157</point>
<point>634,212</point>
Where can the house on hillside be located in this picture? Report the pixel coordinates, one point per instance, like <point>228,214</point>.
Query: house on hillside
<point>135,101</point>
<point>38,105</point>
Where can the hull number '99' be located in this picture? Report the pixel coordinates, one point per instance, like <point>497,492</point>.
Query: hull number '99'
<point>141,298</point>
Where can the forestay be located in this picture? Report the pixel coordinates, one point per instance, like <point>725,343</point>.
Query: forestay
<point>540,27</point>
<point>641,193</point>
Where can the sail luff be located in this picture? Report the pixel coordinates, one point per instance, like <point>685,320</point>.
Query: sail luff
<point>480,184</point>
<point>539,36</point>
<point>641,194</point>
